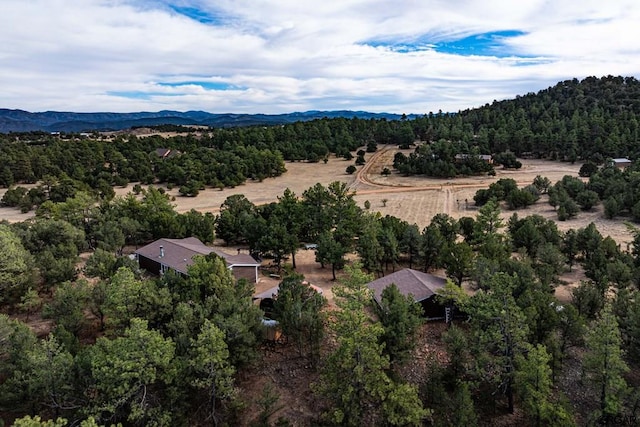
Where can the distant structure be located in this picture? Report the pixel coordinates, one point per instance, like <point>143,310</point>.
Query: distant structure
<point>166,153</point>
<point>621,162</point>
<point>487,158</point>
<point>177,254</point>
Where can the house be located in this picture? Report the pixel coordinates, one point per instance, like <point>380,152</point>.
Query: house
<point>621,162</point>
<point>487,158</point>
<point>421,286</point>
<point>166,153</point>
<point>177,255</point>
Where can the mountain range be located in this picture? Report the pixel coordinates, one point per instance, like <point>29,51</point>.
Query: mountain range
<point>56,121</point>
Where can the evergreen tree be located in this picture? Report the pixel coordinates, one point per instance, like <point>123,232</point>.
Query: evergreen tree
<point>533,381</point>
<point>400,317</point>
<point>605,366</point>
<point>354,378</point>
<point>298,309</point>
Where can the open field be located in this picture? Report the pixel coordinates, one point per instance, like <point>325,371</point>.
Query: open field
<point>413,199</point>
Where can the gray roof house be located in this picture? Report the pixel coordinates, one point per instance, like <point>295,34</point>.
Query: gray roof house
<point>421,286</point>
<point>177,254</point>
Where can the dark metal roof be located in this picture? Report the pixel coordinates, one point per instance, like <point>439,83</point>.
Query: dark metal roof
<point>409,282</point>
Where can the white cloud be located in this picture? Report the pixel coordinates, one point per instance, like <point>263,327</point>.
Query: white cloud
<point>285,55</point>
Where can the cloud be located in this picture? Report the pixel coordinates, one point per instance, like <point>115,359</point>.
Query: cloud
<point>276,56</point>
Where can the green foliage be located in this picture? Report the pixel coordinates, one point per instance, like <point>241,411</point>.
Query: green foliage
<point>100,264</point>
<point>499,190</point>
<point>212,372</point>
<point>354,378</point>
<point>131,374</point>
<point>541,183</point>
<point>50,376</point>
<point>457,345</point>
<point>298,309</point>
<point>499,333</point>
<point>567,209</point>
<point>126,298</point>
<point>522,198</point>
<point>235,213</point>
<point>432,247</point>
<point>533,381</point>
<point>55,245</point>
<point>588,169</point>
<point>453,297</point>
<point>268,403</point>
<point>290,213</point>
<point>443,159</point>
<point>458,261</point>
<point>588,299</point>
<point>67,306</point>
<point>28,421</point>
<point>605,366</point>
<point>507,159</point>
<point>227,303</point>
<point>400,317</point>
<point>587,199</point>
<point>369,248</point>
<point>16,266</point>
<point>30,302</point>
<point>330,251</point>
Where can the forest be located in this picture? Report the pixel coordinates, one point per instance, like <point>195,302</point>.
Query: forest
<point>131,349</point>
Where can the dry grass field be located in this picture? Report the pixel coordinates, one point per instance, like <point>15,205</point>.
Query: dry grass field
<point>413,199</point>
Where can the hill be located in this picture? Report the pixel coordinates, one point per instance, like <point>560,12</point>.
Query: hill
<point>591,119</point>
<point>56,121</point>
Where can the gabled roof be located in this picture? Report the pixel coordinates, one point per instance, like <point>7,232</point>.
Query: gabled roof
<point>178,253</point>
<point>621,160</point>
<point>421,285</point>
<point>163,152</point>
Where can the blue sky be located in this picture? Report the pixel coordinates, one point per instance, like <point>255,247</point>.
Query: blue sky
<point>278,56</point>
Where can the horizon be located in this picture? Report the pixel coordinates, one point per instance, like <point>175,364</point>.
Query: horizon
<point>279,57</point>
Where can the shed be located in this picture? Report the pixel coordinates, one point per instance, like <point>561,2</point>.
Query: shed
<point>621,162</point>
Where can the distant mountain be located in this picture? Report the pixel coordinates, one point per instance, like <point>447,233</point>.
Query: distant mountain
<point>56,121</point>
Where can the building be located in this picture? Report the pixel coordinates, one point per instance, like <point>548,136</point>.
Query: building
<point>621,162</point>
<point>177,255</point>
<point>421,286</point>
<point>166,153</point>
<point>487,158</point>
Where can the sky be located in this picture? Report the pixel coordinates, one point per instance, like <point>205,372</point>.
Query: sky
<point>280,56</point>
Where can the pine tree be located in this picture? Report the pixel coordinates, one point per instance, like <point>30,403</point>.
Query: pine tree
<point>533,382</point>
<point>355,377</point>
<point>604,364</point>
